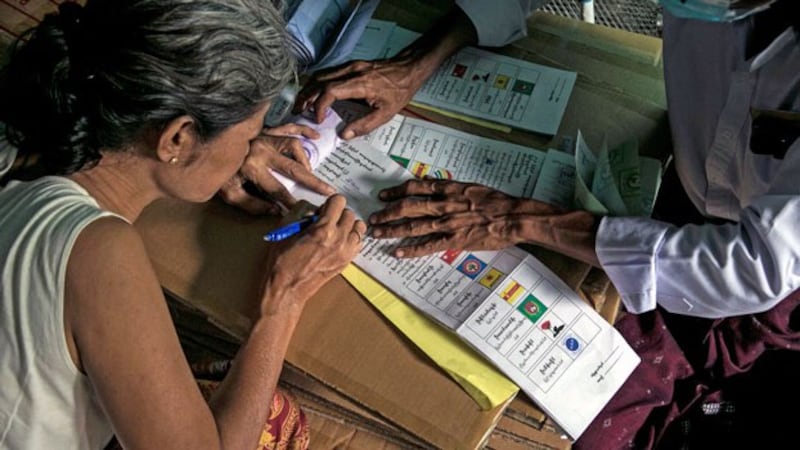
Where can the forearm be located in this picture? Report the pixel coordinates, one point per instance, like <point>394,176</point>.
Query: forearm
<point>448,35</point>
<point>572,233</point>
<point>242,403</point>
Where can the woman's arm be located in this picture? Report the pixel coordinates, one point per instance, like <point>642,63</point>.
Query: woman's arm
<point>121,336</point>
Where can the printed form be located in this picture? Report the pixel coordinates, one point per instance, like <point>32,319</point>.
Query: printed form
<point>479,83</point>
<point>506,304</point>
<point>510,91</point>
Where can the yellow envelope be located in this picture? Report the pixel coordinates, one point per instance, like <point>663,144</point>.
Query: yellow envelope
<point>482,381</point>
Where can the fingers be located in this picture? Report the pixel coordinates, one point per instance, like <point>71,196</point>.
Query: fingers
<point>355,228</point>
<point>301,174</point>
<point>265,156</point>
<point>331,210</point>
<point>443,210</point>
<point>296,152</point>
<point>233,193</point>
<point>306,97</point>
<point>263,178</point>
<point>292,129</point>
<point>366,124</point>
<point>359,230</point>
<point>433,244</point>
<point>353,88</point>
<point>417,227</point>
<point>407,208</point>
<point>348,82</point>
<point>334,212</point>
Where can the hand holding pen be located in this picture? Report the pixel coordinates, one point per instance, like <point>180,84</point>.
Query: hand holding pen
<point>308,215</point>
<point>302,215</point>
<point>289,230</point>
<point>296,268</point>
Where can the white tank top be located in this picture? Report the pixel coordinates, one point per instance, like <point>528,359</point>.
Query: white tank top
<point>45,402</point>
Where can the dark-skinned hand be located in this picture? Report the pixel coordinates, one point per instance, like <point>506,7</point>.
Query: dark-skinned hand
<point>454,215</point>
<point>385,85</point>
<point>276,149</point>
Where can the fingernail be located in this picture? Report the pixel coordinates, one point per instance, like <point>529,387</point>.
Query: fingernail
<point>348,134</point>
<point>382,195</point>
<point>399,253</point>
<point>376,233</point>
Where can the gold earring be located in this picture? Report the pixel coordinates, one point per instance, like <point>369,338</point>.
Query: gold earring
<point>173,160</point>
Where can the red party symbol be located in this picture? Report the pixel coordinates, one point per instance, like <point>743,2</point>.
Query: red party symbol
<point>546,325</point>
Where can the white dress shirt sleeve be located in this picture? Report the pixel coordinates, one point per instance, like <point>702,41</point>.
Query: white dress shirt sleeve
<point>705,270</point>
<point>499,22</point>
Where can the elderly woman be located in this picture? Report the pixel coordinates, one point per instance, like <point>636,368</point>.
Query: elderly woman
<point>119,104</point>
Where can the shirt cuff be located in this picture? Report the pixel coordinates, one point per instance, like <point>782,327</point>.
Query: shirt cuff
<point>497,23</point>
<point>7,155</point>
<point>626,248</point>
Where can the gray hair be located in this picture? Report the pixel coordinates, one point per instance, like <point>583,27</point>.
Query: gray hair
<point>98,77</point>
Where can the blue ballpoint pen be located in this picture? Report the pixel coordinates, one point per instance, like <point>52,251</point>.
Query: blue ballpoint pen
<point>291,229</point>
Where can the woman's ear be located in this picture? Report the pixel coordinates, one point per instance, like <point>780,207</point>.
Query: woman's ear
<point>176,141</point>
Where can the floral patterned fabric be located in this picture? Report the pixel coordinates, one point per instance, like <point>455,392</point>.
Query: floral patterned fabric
<point>286,427</point>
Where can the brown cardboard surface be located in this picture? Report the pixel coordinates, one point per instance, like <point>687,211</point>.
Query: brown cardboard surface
<point>512,435</point>
<point>329,433</point>
<point>523,410</point>
<point>353,420</point>
<point>208,255</point>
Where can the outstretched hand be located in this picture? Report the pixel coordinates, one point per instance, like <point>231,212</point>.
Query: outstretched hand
<point>386,85</point>
<point>278,150</point>
<point>453,215</point>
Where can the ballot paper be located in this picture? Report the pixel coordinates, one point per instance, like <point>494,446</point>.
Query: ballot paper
<point>619,182</point>
<point>506,304</point>
<point>482,84</point>
<point>616,182</point>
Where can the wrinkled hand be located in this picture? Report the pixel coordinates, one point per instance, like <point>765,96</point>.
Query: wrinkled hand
<point>297,267</point>
<point>386,85</point>
<point>276,149</point>
<point>453,215</point>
